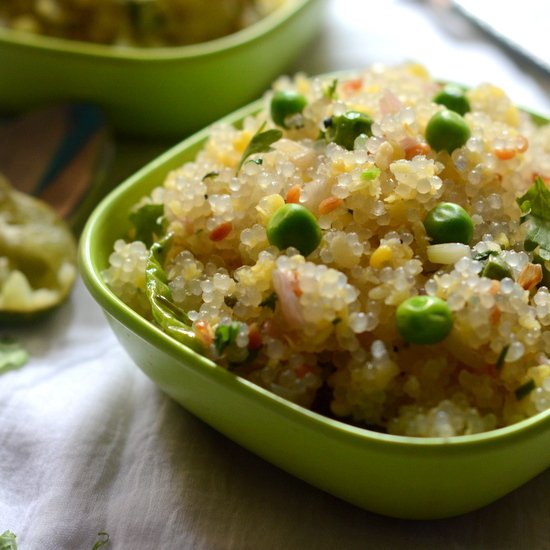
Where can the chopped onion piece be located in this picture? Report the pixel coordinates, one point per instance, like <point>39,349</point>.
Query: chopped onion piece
<point>448,253</point>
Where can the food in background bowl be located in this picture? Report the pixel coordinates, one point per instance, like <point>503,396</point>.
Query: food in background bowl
<point>163,92</point>
<point>150,23</point>
<point>363,250</point>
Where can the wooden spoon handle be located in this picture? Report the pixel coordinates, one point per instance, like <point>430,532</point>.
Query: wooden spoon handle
<point>60,153</point>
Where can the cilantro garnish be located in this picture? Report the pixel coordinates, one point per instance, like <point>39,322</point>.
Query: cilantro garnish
<point>370,173</point>
<point>501,356</point>
<point>330,90</point>
<point>270,301</point>
<point>260,143</point>
<point>535,208</point>
<point>210,175</point>
<point>12,356</point>
<point>166,313</point>
<point>148,222</point>
<point>484,256</point>
<point>225,335</point>
<point>7,541</point>
<point>102,541</point>
<point>259,161</point>
<point>525,389</point>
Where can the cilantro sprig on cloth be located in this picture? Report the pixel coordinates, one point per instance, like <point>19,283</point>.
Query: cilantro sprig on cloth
<point>7,541</point>
<point>12,356</point>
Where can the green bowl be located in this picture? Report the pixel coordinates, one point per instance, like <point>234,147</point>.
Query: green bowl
<point>161,92</point>
<point>398,476</point>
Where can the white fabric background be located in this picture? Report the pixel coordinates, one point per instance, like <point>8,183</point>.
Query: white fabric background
<point>88,444</point>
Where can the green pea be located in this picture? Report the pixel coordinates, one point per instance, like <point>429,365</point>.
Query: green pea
<point>344,129</point>
<point>454,98</point>
<point>294,225</point>
<point>449,223</point>
<point>496,268</point>
<point>424,319</point>
<point>285,103</point>
<point>447,131</point>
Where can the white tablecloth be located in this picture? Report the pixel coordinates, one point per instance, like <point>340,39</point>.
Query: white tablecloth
<point>88,444</point>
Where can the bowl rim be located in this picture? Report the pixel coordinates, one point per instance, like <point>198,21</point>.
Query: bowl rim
<point>334,428</point>
<point>249,34</point>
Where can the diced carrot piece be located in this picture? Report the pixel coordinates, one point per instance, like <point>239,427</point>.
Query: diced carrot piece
<point>254,337</point>
<point>530,276</point>
<point>414,148</point>
<point>354,85</point>
<point>221,231</point>
<point>302,370</point>
<point>494,316</point>
<point>293,194</point>
<point>505,154</point>
<point>495,287</point>
<point>510,153</point>
<point>204,332</point>
<point>329,204</point>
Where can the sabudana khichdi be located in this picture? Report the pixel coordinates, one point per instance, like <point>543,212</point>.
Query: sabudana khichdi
<point>374,247</point>
<point>150,23</point>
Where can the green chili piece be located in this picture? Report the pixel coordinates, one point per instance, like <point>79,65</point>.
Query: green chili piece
<point>166,313</point>
<point>496,268</point>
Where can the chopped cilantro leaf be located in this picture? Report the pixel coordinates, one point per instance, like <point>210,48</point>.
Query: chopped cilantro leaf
<point>525,389</point>
<point>270,301</point>
<point>535,206</point>
<point>370,173</point>
<point>260,143</point>
<point>330,90</point>
<point>544,254</point>
<point>225,335</point>
<point>230,301</point>
<point>148,222</point>
<point>259,161</point>
<point>483,256</point>
<point>12,355</point>
<point>501,356</point>
<point>210,175</point>
<point>7,541</point>
<point>102,541</point>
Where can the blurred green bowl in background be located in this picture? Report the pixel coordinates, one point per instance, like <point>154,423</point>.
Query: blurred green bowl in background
<point>405,477</point>
<point>156,92</point>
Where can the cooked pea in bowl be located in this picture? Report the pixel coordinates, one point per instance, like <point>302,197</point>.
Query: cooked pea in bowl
<point>349,277</point>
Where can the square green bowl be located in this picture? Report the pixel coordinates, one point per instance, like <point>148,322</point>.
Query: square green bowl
<point>405,477</point>
<point>158,92</point>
